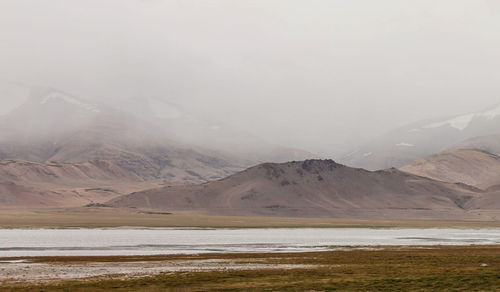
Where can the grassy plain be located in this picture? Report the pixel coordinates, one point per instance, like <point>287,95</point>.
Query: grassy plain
<point>445,268</point>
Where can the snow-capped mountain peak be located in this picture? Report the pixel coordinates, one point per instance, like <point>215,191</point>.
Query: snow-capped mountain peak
<point>491,113</point>
<point>421,139</point>
<point>460,122</point>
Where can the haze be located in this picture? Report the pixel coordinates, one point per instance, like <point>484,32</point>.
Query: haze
<point>323,76</point>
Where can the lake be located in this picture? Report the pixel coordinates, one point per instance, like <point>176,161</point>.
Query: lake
<point>151,241</point>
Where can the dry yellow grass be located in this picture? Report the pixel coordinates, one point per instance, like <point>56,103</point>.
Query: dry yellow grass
<point>444,268</point>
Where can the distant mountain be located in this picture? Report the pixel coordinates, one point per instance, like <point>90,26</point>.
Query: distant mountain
<point>317,188</point>
<point>59,150</point>
<point>203,131</point>
<point>56,126</point>
<point>473,167</point>
<point>490,144</point>
<point>160,140</point>
<point>421,139</point>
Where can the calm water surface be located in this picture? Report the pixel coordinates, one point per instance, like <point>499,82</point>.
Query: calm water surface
<point>71,242</point>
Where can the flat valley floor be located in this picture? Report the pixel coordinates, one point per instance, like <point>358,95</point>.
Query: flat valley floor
<point>110,217</point>
<point>439,268</point>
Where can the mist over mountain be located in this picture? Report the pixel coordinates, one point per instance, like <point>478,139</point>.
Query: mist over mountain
<point>486,143</point>
<point>205,131</point>
<point>56,126</point>
<point>424,138</point>
<point>324,77</point>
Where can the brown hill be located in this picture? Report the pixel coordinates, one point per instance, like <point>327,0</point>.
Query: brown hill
<point>473,167</point>
<point>32,184</point>
<point>313,188</point>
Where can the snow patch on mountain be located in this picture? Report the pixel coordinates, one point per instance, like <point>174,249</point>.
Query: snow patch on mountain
<point>404,144</point>
<point>69,99</point>
<point>460,122</point>
<point>491,113</point>
<point>463,121</point>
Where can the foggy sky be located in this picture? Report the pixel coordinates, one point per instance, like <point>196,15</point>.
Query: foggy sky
<point>320,75</point>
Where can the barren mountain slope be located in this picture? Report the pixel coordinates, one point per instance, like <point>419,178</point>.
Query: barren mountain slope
<point>32,184</point>
<point>472,167</point>
<point>313,188</point>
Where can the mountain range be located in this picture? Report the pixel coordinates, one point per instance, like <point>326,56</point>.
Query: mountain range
<point>419,140</point>
<point>61,151</point>
<point>54,130</point>
<point>319,188</point>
